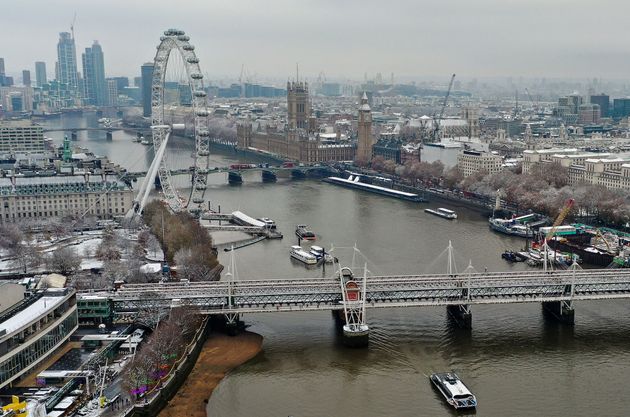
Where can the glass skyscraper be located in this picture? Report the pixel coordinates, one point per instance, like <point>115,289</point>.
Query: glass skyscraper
<point>67,62</point>
<point>95,87</point>
<point>40,73</point>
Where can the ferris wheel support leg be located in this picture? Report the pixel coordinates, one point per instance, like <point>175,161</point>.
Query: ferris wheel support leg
<point>152,173</point>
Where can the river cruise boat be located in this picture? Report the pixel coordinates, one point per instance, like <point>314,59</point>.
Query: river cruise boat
<point>269,224</point>
<point>442,212</point>
<point>303,256</point>
<point>454,390</point>
<point>302,231</point>
<point>522,226</point>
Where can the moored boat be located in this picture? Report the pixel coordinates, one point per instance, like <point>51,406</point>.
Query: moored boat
<point>454,390</point>
<point>301,255</point>
<point>304,233</point>
<point>443,212</point>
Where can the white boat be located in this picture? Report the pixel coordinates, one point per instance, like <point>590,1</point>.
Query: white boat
<point>145,142</point>
<point>303,256</point>
<point>269,224</point>
<point>454,390</point>
<point>442,212</point>
<point>320,254</point>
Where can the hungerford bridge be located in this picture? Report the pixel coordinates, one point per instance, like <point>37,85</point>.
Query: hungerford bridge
<point>349,296</point>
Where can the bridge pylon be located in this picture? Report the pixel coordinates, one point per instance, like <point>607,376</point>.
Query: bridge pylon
<point>355,331</point>
<point>233,321</point>
<point>461,314</point>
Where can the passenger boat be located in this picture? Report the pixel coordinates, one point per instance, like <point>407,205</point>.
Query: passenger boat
<point>320,253</point>
<point>303,256</point>
<point>442,212</point>
<point>454,391</point>
<point>523,226</point>
<point>301,230</point>
<point>512,256</point>
<point>145,142</point>
<point>269,224</point>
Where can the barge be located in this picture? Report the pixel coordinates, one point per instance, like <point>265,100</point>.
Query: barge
<point>355,183</point>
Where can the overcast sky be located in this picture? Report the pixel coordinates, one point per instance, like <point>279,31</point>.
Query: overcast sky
<point>342,38</point>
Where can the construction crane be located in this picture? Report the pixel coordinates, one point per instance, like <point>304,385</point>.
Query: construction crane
<point>437,120</point>
<point>74,19</point>
<point>561,216</point>
<point>534,106</point>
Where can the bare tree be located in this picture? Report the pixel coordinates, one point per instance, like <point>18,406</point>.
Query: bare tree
<point>64,261</point>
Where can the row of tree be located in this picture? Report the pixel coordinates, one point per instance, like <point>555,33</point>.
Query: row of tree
<point>160,350</point>
<point>545,188</point>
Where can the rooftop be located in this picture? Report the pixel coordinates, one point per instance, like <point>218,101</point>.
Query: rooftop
<point>51,300</point>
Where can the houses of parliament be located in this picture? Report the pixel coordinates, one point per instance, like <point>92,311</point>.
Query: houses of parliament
<point>299,140</point>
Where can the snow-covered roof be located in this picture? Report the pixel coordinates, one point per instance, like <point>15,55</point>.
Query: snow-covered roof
<point>152,268</point>
<point>31,313</point>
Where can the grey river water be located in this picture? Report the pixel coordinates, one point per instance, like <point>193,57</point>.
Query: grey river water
<point>513,360</point>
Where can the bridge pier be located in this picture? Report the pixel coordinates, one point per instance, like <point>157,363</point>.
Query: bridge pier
<point>268,176</point>
<point>298,174</point>
<point>351,336</point>
<point>559,311</point>
<point>73,135</point>
<point>460,315</point>
<point>109,135</point>
<point>235,178</point>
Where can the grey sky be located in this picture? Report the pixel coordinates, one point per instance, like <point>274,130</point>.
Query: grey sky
<point>343,38</point>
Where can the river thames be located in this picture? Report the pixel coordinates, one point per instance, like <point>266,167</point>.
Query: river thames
<point>513,360</point>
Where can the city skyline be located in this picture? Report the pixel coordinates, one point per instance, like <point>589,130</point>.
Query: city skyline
<point>419,39</point>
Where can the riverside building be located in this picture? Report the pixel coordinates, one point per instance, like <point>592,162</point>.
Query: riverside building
<point>299,140</point>
<point>470,162</point>
<point>32,329</point>
<point>21,136</point>
<point>584,168</point>
<point>39,198</point>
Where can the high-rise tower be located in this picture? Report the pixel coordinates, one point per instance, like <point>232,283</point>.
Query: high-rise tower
<point>40,73</point>
<point>147,81</point>
<point>95,87</point>
<point>299,108</point>
<point>364,141</point>
<point>67,62</point>
<point>26,78</point>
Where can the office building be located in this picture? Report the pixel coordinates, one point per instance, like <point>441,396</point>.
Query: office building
<point>147,79</point>
<point>112,93</point>
<point>21,136</point>
<point>121,82</point>
<point>37,198</point>
<point>621,107</point>
<point>603,101</point>
<point>2,66</point>
<point>40,73</point>
<point>470,162</point>
<point>95,86</point>
<point>584,168</point>
<point>66,68</point>
<point>364,138</point>
<point>26,78</point>
<point>32,328</point>
<point>589,114</point>
<point>15,99</point>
